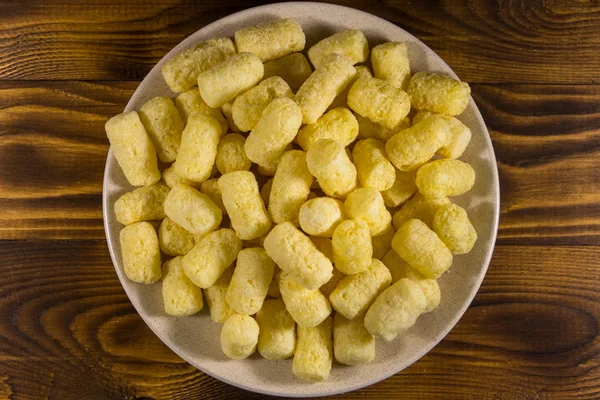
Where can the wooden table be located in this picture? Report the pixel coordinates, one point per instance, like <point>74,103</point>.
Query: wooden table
<point>67,329</point>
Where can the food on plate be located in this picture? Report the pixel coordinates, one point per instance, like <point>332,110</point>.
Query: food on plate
<point>211,256</point>
<point>173,239</point>
<point>250,282</point>
<point>198,150</point>
<point>216,297</point>
<point>438,93</point>
<point>390,63</point>
<point>245,207</point>
<point>422,249</point>
<point>355,293</point>
<point>395,310</point>
<point>248,107</point>
<point>231,155</point>
<point>277,336</point>
<point>323,85</point>
<point>164,126</point>
<point>452,225</point>
<point>274,131</point>
<point>239,336</point>
<point>351,44</point>
<point>329,163</point>
<point>308,307</point>
<point>271,40</point>
<point>190,102</point>
<point>414,146</point>
<point>141,253</point>
<point>290,188</point>
<point>293,68</point>
<point>180,296</point>
<point>304,240</point>
<point>142,204</point>
<point>223,82</point>
<point>338,124</point>
<point>445,177</point>
<point>352,248</point>
<point>133,149</point>
<point>295,254</point>
<point>372,165</point>
<point>321,215</point>
<point>181,71</point>
<point>367,204</point>
<point>379,101</point>
<point>352,342</point>
<point>193,211</point>
<point>314,352</point>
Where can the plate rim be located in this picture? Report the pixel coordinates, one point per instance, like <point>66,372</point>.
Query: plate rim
<point>385,375</point>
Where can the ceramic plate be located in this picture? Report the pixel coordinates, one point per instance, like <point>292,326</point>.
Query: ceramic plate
<point>196,338</point>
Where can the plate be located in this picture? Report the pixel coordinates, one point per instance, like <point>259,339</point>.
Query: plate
<point>196,338</point>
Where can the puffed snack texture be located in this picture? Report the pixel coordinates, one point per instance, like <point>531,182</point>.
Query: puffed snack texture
<point>320,216</point>
<point>293,68</point>
<point>193,211</point>
<point>198,150</point>
<point>352,247</point>
<point>223,82</point>
<point>338,124</point>
<point>445,177</point>
<point>314,352</point>
<point>141,253</point>
<point>142,204</point>
<point>271,40</point>
<point>351,44</point>
<point>422,249</point>
<point>452,225</point>
<point>290,188</point>
<point>323,85</point>
<point>190,102</point>
<point>277,336</point>
<point>413,147</point>
<point>355,293</point>
<point>307,307</point>
<point>367,204</point>
<point>249,106</point>
<point>395,310</point>
<point>352,342</point>
<point>379,101</point>
<point>250,282</point>
<point>209,258</point>
<point>276,128</point>
<point>438,93</point>
<point>329,163</point>
<point>133,149</point>
<point>164,126</point>
<point>239,336</point>
<point>296,254</point>
<point>181,71</point>
<point>245,207</point>
<point>181,297</point>
<point>173,239</point>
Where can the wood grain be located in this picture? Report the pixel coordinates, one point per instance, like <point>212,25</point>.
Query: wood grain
<point>70,332</point>
<point>484,41</point>
<point>53,146</point>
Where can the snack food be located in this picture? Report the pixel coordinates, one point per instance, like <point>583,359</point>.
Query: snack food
<point>263,239</point>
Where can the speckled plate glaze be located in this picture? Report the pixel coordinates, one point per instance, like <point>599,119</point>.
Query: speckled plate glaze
<point>196,338</point>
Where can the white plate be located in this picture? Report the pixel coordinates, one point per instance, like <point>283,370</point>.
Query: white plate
<point>196,339</point>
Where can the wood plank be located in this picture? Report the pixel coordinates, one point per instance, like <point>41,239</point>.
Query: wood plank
<point>69,331</point>
<point>53,149</point>
<point>483,41</point>
<point>547,143</point>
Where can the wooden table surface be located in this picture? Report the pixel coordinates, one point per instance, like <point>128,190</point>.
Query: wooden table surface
<point>67,329</point>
